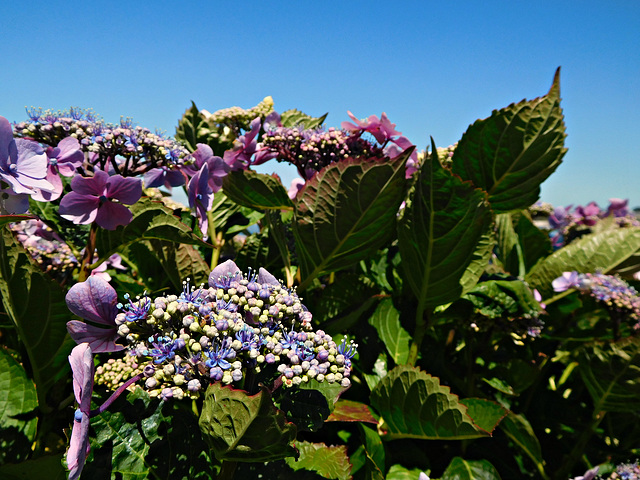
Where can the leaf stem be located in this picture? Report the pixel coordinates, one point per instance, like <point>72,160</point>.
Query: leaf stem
<point>227,470</point>
<point>422,320</point>
<point>89,249</point>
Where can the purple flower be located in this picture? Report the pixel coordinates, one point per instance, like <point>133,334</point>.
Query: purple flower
<point>81,360</point>
<point>94,300</point>
<point>12,204</point>
<point>618,207</point>
<point>163,176</point>
<point>381,128</point>
<point>201,197</point>
<point>93,198</point>
<point>565,282</point>
<point>218,168</point>
<point>243,148</point>
<point>224,274</point>
<point>63,160</point>
<point>589,474</point>
<point>23,163</point>
<point>588,215</point>
<point>296,186</point>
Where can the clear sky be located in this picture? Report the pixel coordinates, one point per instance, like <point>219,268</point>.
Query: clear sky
<point>433,67</point>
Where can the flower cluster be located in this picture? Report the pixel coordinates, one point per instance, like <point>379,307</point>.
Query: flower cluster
<point>239,326</point>
<point>126,148</point>
<point>44,245</point>
<point>568,223</point>
<point>237,118</point>
<point>624,471</point>
<point>611,291</point>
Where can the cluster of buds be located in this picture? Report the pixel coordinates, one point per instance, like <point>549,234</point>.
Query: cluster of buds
<point>238,327</point>
<point>130,150</point>
<point>116,371</point>
<point>445,155</point>
<point>616,295</point>
<point>46,248</point>
<point>312,149</point>
<point>237,119</point>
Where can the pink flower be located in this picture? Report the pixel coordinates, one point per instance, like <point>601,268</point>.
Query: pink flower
<point>93,198</point>
<point>565,282</point>
<point>381,128</point>
<point>239,157</point>
<point>63,160</point>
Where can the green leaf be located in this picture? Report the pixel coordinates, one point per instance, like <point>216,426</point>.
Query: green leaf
<point>351,411</point>
<point>345,212</point>
<point>5,219</point>
<point>513,151</point>
<point>140,438</point>
<point>48,467</point>
<point>330,391</point>
<point>307,409</point>
<point>461,469</point>
<point>374,447</point>
<point>604,251</point>
<point>519,430</point>
<point>151,220</point>
<point>486,414</point>
<point>294,118</point>
<point>386,321</point>
<point>520,243</point>
<point>439,235</point>
<point>398,472</point>
<point>611,372</point>
<point>18,401</point>
<point>37,307</point>
<point>181,261</point>
<point>326,461</point>
<point>256,190</point>
<point>414,404</point>
<point>259,250</point>
<point>187,130</point>
<point>243,427</point>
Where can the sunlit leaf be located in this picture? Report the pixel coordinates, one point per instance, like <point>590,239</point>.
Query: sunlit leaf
<point>326,461</point>
<point>386,321</point>
<point>461,469</point>
<point>513,151</point>
<point>256,190</point>
<point>439,235</point>
<point>519,430</point>
<point>294,118</point>
<point>351,411</point>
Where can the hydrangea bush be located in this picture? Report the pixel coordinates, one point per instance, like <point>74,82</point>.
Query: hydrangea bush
<point>395,313</point>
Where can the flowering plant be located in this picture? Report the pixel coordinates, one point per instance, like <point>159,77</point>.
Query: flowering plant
<point>395,314</point>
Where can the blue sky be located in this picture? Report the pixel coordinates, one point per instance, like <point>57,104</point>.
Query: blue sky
<point>433,67</point>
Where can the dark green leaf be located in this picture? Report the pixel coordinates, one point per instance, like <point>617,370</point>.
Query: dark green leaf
<point>520,243</point>
<point>398,472</point>
<point>326,461</point>
<point>486,414</point>
<point>439,235</point>
<point>414,404</point>
<point>151,220</point>
<point>48,467</point>
<point>331,391</point>
<point>259,250</point>
<point>386,321</point>
<point>519,430</point>
<point>37,307</point>
<point>181,261</point>
<point>294,118</point>
<point>604,251</point>
<point>18,401</point>
<point>243,427</point>
<point>374,447</point>
<point>350,411</point>
<point>308,409</point>
<point>513,151</point>
<point>611,372</point>
<point>347,211</point>
<point>189,125</point>
<point>5,219</point>
<point>256,190</point>
<point>460,469</point>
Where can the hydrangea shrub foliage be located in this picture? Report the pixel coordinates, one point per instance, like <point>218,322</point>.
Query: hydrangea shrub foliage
<point>394,313</point>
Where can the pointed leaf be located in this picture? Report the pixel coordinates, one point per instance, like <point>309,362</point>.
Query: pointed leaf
<point>486,414</point>
<point>460,469</point>
<point>294,118</point>
<point>604,251</point>
<point>48,467</point>
<point>347,211</point>
<point>180,261</point>
<point>326,461</point>
<point>256,190</point>
<point>18,419</point>
<point>519,430</point>
<point>37,307</point>
<point>439,235</point>
<point>243,427</point>
<point>351,411</point>
<point>386,321</point>
<point>150,220</point>
<point>4,219</point>
<point>611,373</point>
<point>374,447</point>
<point>513,151</point>
<point>187,130</point>
<point>398,472</point>
<point>414,404</point>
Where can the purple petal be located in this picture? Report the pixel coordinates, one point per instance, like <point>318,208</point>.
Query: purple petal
<point>69,152</point>
<point>126,190</point>
<point>174,178</point>
<point>227,270</point>
<point>111,215</point>
<point>32,161</point>
<point>13,204</point>
<point>90,185</point>
<point>81,361</point>
<point>94,300</point>
<point>6,138</point>
<point>80,209</point>
<point>265,277</point>
<point>100,339</point>
<point>154,178</point>
<point>78,447</point>
<point>46,196</point>
<point>566,281</point>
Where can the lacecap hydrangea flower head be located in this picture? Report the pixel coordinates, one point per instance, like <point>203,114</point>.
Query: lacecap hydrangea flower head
<point>236,328</point>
